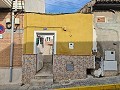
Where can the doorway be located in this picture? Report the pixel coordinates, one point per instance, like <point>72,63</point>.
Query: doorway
<point>45,48</point>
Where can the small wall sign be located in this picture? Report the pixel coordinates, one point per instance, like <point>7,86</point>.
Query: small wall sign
<point>45,28</point>
<point>2,29</point>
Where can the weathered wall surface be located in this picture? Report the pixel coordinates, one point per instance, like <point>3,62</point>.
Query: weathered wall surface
<point>30,6</point>
<point>108,34</point>
<point>5,42</point>
<point>78,26</point>
<point>80,66</point>
<point>109,73</point>
<point>5,50</point>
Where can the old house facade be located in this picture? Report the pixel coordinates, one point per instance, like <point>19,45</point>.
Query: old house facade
<point>106,24</point>
<point>72,46</point>
<point>11,53</point>
<point>62,47</point>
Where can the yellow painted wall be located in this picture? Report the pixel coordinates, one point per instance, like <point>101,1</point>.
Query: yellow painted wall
<point>78,25</point>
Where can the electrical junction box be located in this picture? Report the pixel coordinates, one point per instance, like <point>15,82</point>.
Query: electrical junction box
<point>71,45</point>
<point>17,21</point>
<point>109,55</point>
<point>110,65</point>
<point>70,66</point>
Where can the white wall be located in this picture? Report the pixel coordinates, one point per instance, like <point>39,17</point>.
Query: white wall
<point>37,6</point>
<point>94,41</point>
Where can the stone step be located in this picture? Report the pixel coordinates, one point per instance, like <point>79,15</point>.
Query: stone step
<point>43,76</point>
<point>47,68</point>
<point>41,82</point>
<point>47,58</point>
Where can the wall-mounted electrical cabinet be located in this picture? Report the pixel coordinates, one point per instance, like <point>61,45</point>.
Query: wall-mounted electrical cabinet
<point>17,21</point>
<point>110,65</point>
<point>109,55</point>
<point>71,45</point>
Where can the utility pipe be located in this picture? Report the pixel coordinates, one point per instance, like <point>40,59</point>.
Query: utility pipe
<point>12,39</point>
<point>11,48</point>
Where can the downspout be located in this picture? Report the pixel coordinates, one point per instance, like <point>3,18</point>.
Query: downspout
<point>12,42</point>
<point>11,49</point>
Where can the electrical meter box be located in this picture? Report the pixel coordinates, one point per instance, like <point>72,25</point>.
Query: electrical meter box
<point>71,45</point>
<point>110,65</point>
<point>110,55</point>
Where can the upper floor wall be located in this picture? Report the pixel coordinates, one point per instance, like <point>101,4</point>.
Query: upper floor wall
<point>79,30</point>
<point>37,6</point>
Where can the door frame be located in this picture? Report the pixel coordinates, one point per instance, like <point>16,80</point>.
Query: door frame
<point>44,32</point>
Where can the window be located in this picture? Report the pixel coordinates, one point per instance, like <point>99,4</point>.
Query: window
<point>41,40</point>
<point>48,39</point>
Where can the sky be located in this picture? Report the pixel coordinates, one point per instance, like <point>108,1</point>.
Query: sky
<point>64,6</point>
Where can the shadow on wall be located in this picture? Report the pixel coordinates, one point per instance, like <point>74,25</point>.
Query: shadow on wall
<point>65,48</point>
<point>78,48</point>
<point>103,46</point>
<point>5,50</point>
<point>5,43</point>
<point>5,59</point>
<point>3,17</point>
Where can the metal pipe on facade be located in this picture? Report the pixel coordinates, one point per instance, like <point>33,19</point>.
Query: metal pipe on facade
<point>11,48</point>
<point>12,39</point>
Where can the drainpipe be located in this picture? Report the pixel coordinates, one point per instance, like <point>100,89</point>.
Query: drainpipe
<point>11,48</point>
<point>12,40</point>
